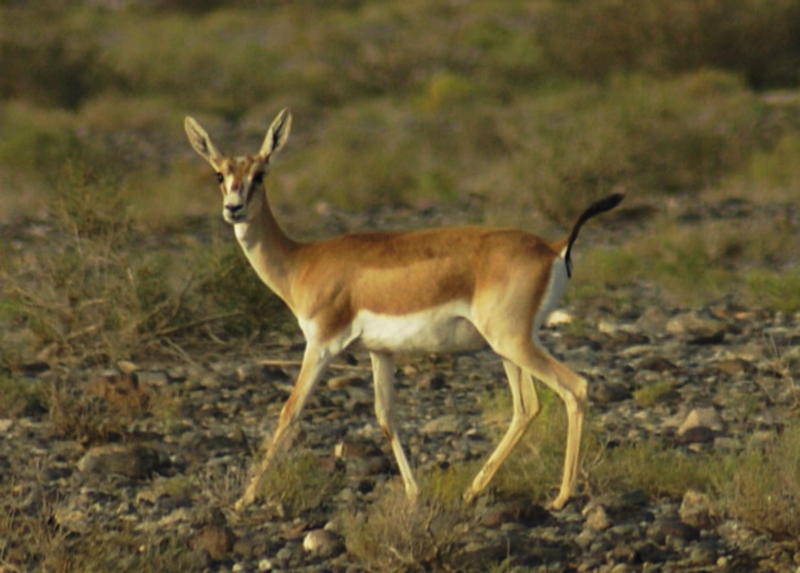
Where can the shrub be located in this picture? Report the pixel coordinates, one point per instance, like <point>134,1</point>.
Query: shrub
<point>654,468</point>
<point>299,482</point>
<point>394,534</point>
<point>774,290</point>
<point>757,39</point>
<point>764,491</point>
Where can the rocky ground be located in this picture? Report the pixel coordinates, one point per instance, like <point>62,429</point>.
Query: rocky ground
<point>190,426</point>
<point>227,404</point>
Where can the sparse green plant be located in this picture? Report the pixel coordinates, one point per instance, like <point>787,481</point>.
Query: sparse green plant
<point>534,467</point>
<point>232,287</point>
<point>22,397</point>
<point>299,482</point>
<point>445,487</point>
<point>654,394</point>
<point>656,469</point>
<point>764,492</point>
<point>90,417</point>
<point>773,290</point>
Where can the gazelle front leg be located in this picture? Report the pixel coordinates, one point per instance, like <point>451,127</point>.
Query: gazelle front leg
<point>383,374</point>
<point>315,360</point>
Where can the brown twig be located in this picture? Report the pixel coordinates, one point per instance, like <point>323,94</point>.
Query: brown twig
<point>298,363</point>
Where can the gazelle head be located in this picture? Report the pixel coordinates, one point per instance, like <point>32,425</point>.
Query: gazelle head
<point>241,179</point>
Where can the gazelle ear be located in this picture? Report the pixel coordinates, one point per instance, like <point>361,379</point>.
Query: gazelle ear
<point>201,142</point>
<point>277,134</point>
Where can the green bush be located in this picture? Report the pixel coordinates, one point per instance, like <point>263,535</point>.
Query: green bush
<point>764,492</point>
<point>756,39</point>
<point>643,136</point>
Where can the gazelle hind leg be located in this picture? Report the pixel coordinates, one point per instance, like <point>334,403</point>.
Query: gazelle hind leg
<point>526,407</point>
<point>572,389</point>
<point>314,363</point>
<point>383,374</point>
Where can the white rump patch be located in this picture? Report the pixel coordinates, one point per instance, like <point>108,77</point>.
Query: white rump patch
<point>552,296</point>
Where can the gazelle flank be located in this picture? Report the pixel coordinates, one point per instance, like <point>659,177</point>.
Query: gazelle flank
<point>436,290</point>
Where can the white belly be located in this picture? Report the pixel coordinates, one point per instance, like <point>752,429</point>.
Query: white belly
<point>445,328</point>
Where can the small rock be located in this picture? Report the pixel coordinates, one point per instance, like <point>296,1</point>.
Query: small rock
<point>653,321</point>
<point>701,418</point>
<point>356,449</point>
<point>735,366</point>
<point>137,461</point>
<point>346,381</point>
<point>126,366</point>
<point>434,381</point>
<point>671,527</point>
<point>215,540</point>
<point>697,509</point>
<point>527,514</point>
<point>253,544</point>
<point>71,519</point>
<point>697,329</point>
<point>265,564</point>
<point>703,553</point>
<point>558,317</point>
<point>695,435</point>
<point>5,425</point>
<point>597,518</point>
<point>449,424</point>
<point>656,364</point>
<point>322,542</point>
<point>609,392</point>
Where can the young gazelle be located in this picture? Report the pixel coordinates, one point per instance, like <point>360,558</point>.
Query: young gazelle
<point>437,290</point>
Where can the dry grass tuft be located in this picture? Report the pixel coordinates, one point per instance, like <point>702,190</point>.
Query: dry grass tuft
<point>396,535</point>
<point>764,491</point>
<point>654,468</point>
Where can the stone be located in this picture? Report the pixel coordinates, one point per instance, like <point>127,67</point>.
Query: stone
<point>215,540</point>
<point>597,518</point>
<point>137,461</point>
<point>701,417</point>
<point>672,527</point>
<point>449,424</point>
<point>72,519</point>
<point>696,328</point>
<point>733,366</point>
<point>346,381</point>
<point>604,393</point>
<point>323,543</point>
<point>434,381</point>
<point>697,510</point>
<point>518,512</point>
<point>559,317</point>
<point>653,321</point>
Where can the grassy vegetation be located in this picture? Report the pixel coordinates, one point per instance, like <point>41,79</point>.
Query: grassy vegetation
<point>110,249</point>
<point>298,482</point>
<point>488,101</point>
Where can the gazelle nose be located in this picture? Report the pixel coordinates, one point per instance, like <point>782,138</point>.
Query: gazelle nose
<point>233,209</point>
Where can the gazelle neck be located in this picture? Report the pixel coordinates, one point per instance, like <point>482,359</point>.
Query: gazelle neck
<point>269,250</point>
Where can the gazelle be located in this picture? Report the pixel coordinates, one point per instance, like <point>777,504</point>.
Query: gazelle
<point>437,290</point>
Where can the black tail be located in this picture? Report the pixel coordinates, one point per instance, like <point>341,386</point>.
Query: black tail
<point>600,206</point>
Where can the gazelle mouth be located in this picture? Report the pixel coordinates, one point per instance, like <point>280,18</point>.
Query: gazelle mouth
<point>233,218</point>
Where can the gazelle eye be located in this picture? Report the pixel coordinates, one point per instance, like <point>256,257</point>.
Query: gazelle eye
<point>220,177</point>
<point>258,177</point>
